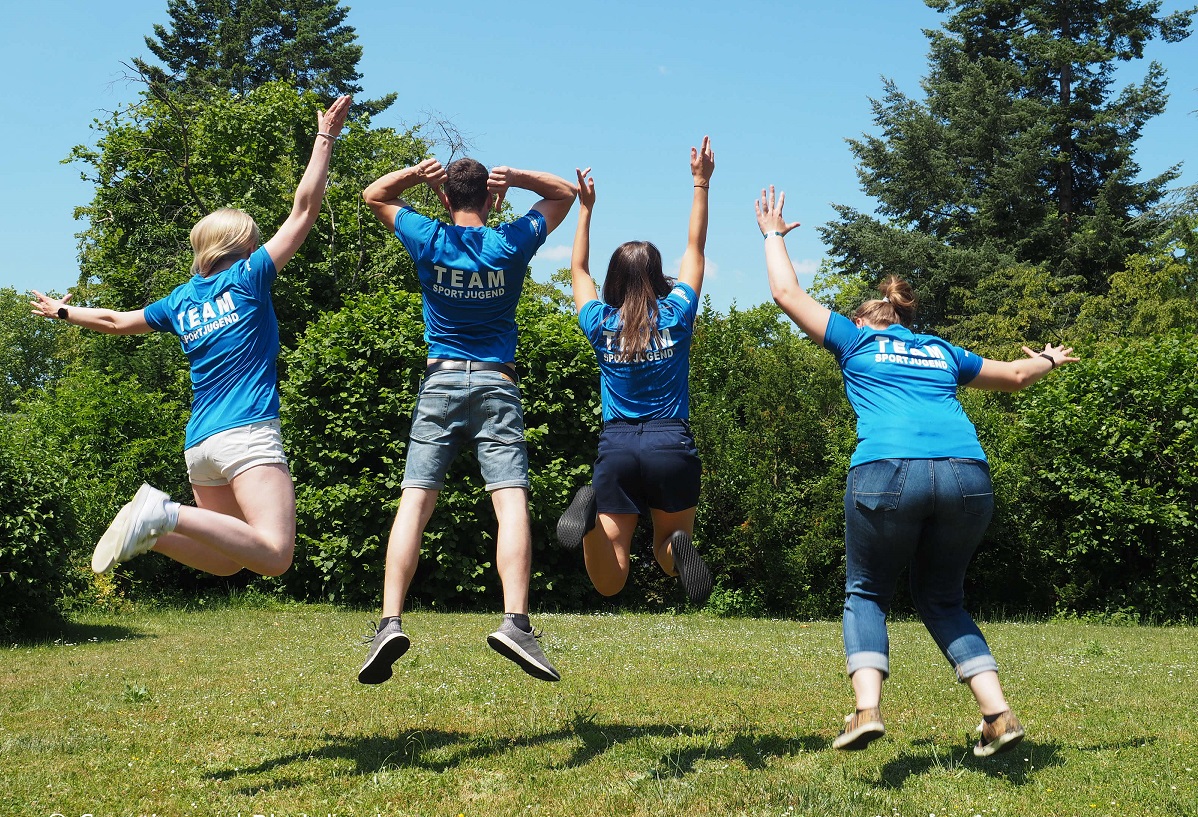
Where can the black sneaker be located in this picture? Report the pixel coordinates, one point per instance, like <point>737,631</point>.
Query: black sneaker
<point>513,643</point>
<point>578,520</point>
<point>387,645</point>
<point>692,571</point>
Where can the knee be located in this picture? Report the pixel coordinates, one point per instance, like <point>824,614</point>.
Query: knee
<point>611,585</point>
<point>277,560</point>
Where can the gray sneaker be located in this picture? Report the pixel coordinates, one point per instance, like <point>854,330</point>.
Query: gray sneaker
<point>134,529</point>
<point>578,520</point>
<point>512,642</point>
<point>387,644</point>
<point>692,570</point>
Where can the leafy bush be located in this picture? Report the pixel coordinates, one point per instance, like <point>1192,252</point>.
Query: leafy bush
<point>347,406</point>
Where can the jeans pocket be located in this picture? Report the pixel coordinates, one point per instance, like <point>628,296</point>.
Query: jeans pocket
<point>505,417</point>
<point>429,417</point>
<point>878,485</point>
<point>977,492</point>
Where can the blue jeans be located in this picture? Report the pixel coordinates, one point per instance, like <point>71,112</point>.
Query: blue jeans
<point>928,515</point>
<point>467,408</point>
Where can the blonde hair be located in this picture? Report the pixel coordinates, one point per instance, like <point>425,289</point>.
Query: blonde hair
<point>897,304</point>
<point>224,235</point>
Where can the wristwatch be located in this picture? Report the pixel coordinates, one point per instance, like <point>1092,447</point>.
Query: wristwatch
<point>62,313</point>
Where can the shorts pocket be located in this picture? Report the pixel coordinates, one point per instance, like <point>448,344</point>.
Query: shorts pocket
<point>878,485</point>
<point>505,417</point>
<point>429,417</point>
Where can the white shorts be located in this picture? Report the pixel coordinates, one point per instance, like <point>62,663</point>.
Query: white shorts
<point>216,460</point>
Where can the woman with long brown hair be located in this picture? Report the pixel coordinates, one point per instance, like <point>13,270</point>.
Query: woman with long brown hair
<point>647,462</point>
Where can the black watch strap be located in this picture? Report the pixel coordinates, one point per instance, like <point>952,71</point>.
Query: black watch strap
<point>62,313</point>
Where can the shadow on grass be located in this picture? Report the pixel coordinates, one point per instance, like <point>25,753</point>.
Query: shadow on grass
<point>440,751</point>
<point>65,633</point>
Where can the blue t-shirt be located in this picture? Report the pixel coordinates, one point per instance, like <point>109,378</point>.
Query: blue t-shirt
<point>471,279</point>
<point>903,388</point>
<point>657,387</point>
<point>226,323</point>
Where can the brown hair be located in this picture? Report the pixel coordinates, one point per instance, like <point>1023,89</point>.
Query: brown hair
<point>633,284</point>
<point>224,235</point>
<point>897,304</point>
<point>466,185</point>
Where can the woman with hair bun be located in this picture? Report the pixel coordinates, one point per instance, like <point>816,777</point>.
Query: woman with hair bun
<point>647,462</point>
<point>245,514</point>
<point>919,493</point>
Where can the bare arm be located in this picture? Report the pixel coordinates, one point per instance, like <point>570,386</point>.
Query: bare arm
<point>1000,375</point>
<point>383,196</point>
<point>693,260</point>
<point>310,192</point>
<point>580,257</point>
<point>557,194</point>
<point>108,321</point>
<point>809,314</point>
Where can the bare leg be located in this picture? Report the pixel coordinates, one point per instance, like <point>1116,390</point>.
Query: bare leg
<point>664,526</point>
<point>606,549</point>
<point>867,687</point>
<point>260,536</point>
<point>403,546</point>
<point>513,547</point>
<point>988,691</point>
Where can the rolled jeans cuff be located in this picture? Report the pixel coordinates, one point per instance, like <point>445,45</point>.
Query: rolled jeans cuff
<point>869,660</point>
<point>975,666</point>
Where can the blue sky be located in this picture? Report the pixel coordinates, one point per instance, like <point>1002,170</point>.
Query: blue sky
<point>624,87</point>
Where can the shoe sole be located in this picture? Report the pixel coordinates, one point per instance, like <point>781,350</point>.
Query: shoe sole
<point>512,651</point>
<point>692,570</point>
<point>378,666</point>
<point>578,520</point>
<point>860,737</point>
<point>108,549</point>
<point>1000,744</point>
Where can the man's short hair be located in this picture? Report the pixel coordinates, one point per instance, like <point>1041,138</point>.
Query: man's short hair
<point>466,186</point>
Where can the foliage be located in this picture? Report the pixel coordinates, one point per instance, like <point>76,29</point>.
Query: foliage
<point>1020,154</point>
<point>33,351</point>
<point>774,432</point>
<point>347,412</point>
<point>1110,448</point>
<point>239,45</point>
<point>36,529</point>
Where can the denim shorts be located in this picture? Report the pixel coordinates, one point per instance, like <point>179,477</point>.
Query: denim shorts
<point>467,408</point>
<point>646,465</point>
<point>217,459</point>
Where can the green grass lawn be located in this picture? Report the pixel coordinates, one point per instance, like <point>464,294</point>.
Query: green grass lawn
<point>256,710</point>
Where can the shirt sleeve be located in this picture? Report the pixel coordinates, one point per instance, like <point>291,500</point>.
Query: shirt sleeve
<point>968,364</point>
<point>684,299</point>
<point>158,316</point>
<point>260,269</point>
<point>414,230</point>
<point>840,336</point>
<point>526,234</point>
<point>590,318</point>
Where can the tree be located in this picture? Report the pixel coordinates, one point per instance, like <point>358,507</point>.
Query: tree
<point>33,351</point>
<point>1019,155</point>
<point>239,45</point>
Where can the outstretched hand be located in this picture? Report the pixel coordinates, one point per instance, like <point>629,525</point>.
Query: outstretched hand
<point>769,213</point>
<point>332,120</point>
<point>703,162</point>
<point>46,307</point>
<point>586,189</point>
<point>1060,354</point>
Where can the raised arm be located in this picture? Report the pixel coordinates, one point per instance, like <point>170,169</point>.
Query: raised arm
<point>108,321</point>
<point>809,314</point>
<point>693,261</point>
<point>557,194</point>
<point>580,258</point>
<point>1000,375</point>
<point>308,195</point>
<point>384,196</point>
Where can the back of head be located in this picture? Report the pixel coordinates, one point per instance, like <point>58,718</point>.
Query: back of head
<point>633,284</point>
<point>220,238</point>
<point>897,304</point>
<point>466,185</point>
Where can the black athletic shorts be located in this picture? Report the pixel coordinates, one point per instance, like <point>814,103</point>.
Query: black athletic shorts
<point>646,465</point>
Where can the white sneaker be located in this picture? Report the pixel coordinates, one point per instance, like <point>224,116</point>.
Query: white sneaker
<point>134,529</point>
